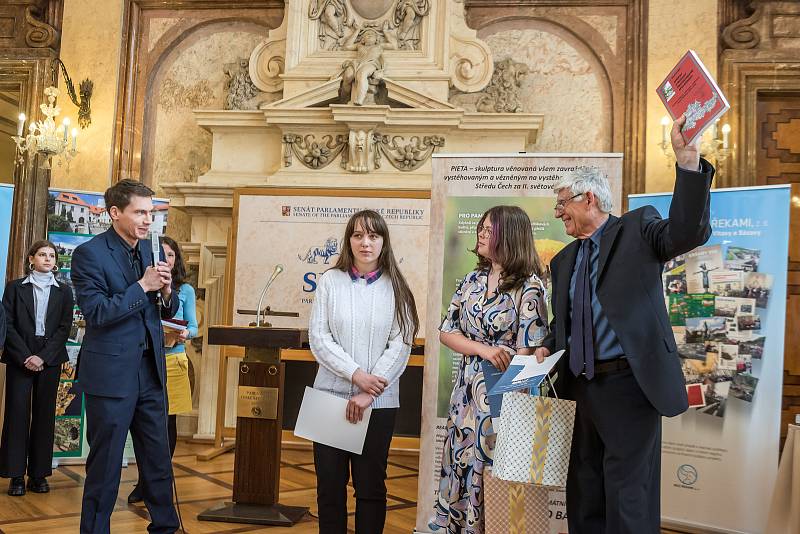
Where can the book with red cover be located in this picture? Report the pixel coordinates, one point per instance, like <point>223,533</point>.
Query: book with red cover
<point>175,324</point>
<point>690,89</point>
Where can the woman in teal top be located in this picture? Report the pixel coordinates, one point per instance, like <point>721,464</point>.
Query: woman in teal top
<point>179,393</point>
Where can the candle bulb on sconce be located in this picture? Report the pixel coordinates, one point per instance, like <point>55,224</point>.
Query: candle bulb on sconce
<point>665,129</point>
<point>726,130</point>
<point>74,139</point>
<point>21,124</point>
<point>66,128</point>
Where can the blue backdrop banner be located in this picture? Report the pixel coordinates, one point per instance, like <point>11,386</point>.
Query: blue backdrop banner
<point>6,203</point>
<point>727,307</point>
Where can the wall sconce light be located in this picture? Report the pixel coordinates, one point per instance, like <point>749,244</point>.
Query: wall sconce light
<point>713,146</point>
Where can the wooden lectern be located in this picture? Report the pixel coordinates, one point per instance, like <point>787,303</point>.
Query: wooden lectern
<point>256,475</point>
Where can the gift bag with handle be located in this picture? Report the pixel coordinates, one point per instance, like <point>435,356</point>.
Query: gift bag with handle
<point>534,439</point>
<point>514,507</point>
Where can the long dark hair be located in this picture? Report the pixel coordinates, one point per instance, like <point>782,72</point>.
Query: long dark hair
<point>405,305</point>
<point>179,269</point>
<point>512,246</point>
<point>42,243</point>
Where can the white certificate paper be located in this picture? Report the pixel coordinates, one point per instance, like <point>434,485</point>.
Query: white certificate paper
<point>322,420</point>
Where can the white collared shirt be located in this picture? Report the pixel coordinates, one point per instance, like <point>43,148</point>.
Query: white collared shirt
<point>41,296</point>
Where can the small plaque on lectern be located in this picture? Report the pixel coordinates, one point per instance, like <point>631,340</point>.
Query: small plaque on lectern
<point>257,402</point>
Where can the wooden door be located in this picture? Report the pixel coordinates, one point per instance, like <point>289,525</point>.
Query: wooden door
<point>778,162</point>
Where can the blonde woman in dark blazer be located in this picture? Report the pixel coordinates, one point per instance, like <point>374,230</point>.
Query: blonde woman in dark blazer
<point>38,319</point>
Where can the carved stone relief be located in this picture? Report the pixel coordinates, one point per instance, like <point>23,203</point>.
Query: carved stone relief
<point>404,156</point>
<point>334,17</point>
<point>361,76</point>
<point>358,151</point>
<point>502,95</point>
<point>471,61</point>
<point>361,149</point>
<point>241,92</point>
<point>39,34</point>
<point>312,153</point>
<point>407,17</point>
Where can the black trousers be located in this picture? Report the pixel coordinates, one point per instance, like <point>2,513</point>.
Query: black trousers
<point>29,424</point>
<point>613,485</point>
<point>333,468</point>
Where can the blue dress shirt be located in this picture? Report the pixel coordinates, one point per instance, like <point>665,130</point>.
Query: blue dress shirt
<point>606,343</point>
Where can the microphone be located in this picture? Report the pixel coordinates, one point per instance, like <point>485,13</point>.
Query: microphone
<point>275,272</point>
<point>155,248</point>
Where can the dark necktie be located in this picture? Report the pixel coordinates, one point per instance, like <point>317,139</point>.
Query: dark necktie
<point>136,262</point>
<point>581,348</point>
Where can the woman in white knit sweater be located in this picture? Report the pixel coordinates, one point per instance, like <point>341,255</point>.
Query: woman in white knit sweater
<point>363,322</point>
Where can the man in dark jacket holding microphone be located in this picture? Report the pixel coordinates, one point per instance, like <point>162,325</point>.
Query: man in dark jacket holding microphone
<point>123,293</point>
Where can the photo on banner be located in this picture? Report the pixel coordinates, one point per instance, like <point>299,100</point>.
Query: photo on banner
<point>73,218</point>
<point>463,188</point>
<point>727,307</point>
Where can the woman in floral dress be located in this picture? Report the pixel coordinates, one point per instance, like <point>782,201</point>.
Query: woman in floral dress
<point>497,311</point>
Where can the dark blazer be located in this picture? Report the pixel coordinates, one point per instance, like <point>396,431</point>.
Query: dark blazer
<point>112,303</point>
<point>633,250</point>
<point>21,323</point>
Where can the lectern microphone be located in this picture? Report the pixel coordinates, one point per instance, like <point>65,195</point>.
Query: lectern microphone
<point>275,272</point>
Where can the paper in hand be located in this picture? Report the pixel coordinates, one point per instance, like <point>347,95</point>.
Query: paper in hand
<point>525,372</point>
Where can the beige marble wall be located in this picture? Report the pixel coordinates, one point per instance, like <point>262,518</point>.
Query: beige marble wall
<point>190,78</point>
<point>672,31</point>
<point>90,48</point>
<point>564,82</point>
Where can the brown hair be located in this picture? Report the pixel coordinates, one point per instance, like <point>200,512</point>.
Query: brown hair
<point>120,193</point>
<point>405,305</point>
<point>33,249</point>
<point>512,246</point>
<point>179,269</point>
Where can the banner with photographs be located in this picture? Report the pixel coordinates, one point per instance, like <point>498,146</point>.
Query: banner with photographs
<point>6,207</point>
<point>73,218</point>
<point>727,307</point>
<point>464,187</point>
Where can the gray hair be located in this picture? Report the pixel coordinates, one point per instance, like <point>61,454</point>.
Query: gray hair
<point>585,179</point>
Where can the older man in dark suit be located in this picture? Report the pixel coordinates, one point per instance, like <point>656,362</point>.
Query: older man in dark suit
<point>621,365</point>
<point>123,295</point>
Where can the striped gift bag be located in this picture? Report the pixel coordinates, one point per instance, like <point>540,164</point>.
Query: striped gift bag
<point>534,439</point>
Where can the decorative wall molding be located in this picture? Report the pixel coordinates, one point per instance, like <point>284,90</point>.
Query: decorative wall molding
<point>310,152</point>
<point>762,61</point>
<point>405,156</point>
<point>471,62</point>
<point>31,24</point>
<point>773,25</point>
<point>39,34</point>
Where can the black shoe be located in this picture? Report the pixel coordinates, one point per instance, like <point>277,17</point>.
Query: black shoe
<point>16,488</point>
<point>135,495</point>
<point>38,485</point>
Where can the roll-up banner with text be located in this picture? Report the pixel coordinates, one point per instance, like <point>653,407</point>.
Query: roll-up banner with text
<point>463,188</point>
<point>727,305</point>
